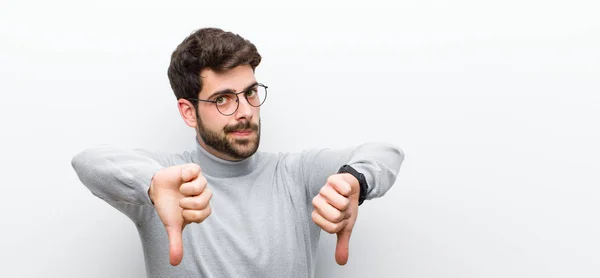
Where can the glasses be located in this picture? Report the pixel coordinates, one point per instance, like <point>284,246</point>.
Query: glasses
<point>228,102</point>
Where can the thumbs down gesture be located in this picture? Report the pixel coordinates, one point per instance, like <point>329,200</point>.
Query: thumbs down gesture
<point>336,209</point>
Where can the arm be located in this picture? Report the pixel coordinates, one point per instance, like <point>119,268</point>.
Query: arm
<point>379,162</point>
<point>336,196</point>
<point>120,177</point>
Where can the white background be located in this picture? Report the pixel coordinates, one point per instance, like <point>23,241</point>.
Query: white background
<point>495,103</point>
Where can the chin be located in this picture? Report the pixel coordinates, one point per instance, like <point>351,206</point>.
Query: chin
<point>246,147</point>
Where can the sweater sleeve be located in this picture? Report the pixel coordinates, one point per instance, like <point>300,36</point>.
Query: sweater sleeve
<point>121,177</point>
<point>378,162</point>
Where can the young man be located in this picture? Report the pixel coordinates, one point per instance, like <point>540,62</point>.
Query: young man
<point>225,209</point>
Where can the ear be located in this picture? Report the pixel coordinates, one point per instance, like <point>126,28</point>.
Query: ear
<point>187,112</point>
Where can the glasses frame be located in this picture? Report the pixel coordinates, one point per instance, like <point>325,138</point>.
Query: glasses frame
<point>237,99</point>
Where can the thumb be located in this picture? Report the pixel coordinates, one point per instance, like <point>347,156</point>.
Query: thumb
<point>342,247</point>
<point>175,244</point>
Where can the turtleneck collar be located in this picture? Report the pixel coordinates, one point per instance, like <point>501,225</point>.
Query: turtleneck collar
<point>220,168</point>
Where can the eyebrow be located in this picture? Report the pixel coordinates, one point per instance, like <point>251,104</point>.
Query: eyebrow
<point>228,91</point>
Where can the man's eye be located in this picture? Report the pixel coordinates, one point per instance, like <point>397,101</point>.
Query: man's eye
<point>250,93</point>
<point>221,99</point>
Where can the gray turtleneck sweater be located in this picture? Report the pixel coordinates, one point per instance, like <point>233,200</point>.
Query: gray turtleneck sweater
<point>260,225</point>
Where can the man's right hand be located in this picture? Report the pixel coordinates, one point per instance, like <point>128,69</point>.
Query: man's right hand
<point>180,196</point>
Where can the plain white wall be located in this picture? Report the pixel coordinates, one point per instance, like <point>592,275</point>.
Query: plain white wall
<point>496,105</point>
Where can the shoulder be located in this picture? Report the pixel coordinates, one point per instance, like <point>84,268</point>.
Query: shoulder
<point>170,158</point>
<point>113,152</point>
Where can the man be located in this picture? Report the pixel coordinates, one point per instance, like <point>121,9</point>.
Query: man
<point>225,209</point>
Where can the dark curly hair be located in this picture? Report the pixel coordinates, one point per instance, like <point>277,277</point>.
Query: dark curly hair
<point>211,48</point>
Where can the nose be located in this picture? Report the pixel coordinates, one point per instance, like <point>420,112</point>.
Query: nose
<point>244,109</point>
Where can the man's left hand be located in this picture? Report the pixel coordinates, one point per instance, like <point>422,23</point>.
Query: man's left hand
<point>336,209</point>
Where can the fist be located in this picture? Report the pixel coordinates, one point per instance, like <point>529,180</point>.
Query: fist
<point>336,209</point>
<point>180,196</point>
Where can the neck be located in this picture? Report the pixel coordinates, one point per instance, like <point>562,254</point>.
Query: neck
<point>216,164</point>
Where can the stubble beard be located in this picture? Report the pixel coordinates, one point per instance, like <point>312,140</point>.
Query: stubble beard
<point>223,142</point>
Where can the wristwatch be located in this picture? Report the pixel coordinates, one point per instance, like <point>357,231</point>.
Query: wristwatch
<point>361,181</point>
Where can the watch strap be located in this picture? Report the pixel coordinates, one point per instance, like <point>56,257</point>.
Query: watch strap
<point>361,181</point>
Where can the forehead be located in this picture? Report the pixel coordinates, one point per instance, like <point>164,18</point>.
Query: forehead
<point>235,79</point>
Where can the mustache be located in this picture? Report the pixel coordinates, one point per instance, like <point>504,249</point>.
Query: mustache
<point>246,125</point>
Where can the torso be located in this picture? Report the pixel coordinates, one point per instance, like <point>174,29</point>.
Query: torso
<point>260,226</point>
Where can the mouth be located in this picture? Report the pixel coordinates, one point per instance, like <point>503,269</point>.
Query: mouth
<point>244,132</point>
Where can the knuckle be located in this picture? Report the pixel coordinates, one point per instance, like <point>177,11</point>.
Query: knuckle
<point>198,220</point>
<point>197,187</point>
<point>208,192</point>
<point>324,190</point>
<point>191,215</point>
<point>317,218</point>
<point>183,188</point>
<point>202,181</point>
<point>198,203</point>
<point>344,188</point>
<point>314,216</point>
<point>195,166</point>
<point>184,204</point>
<point>331,179</point>
<point>198,216</point>
<point>315,201</point>
<point>332,228</point>
<point>187,216</point>
<point>339,216</point>
<point>346,203</point>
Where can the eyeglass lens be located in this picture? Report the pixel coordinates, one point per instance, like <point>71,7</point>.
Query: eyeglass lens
<point>228,103</point>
